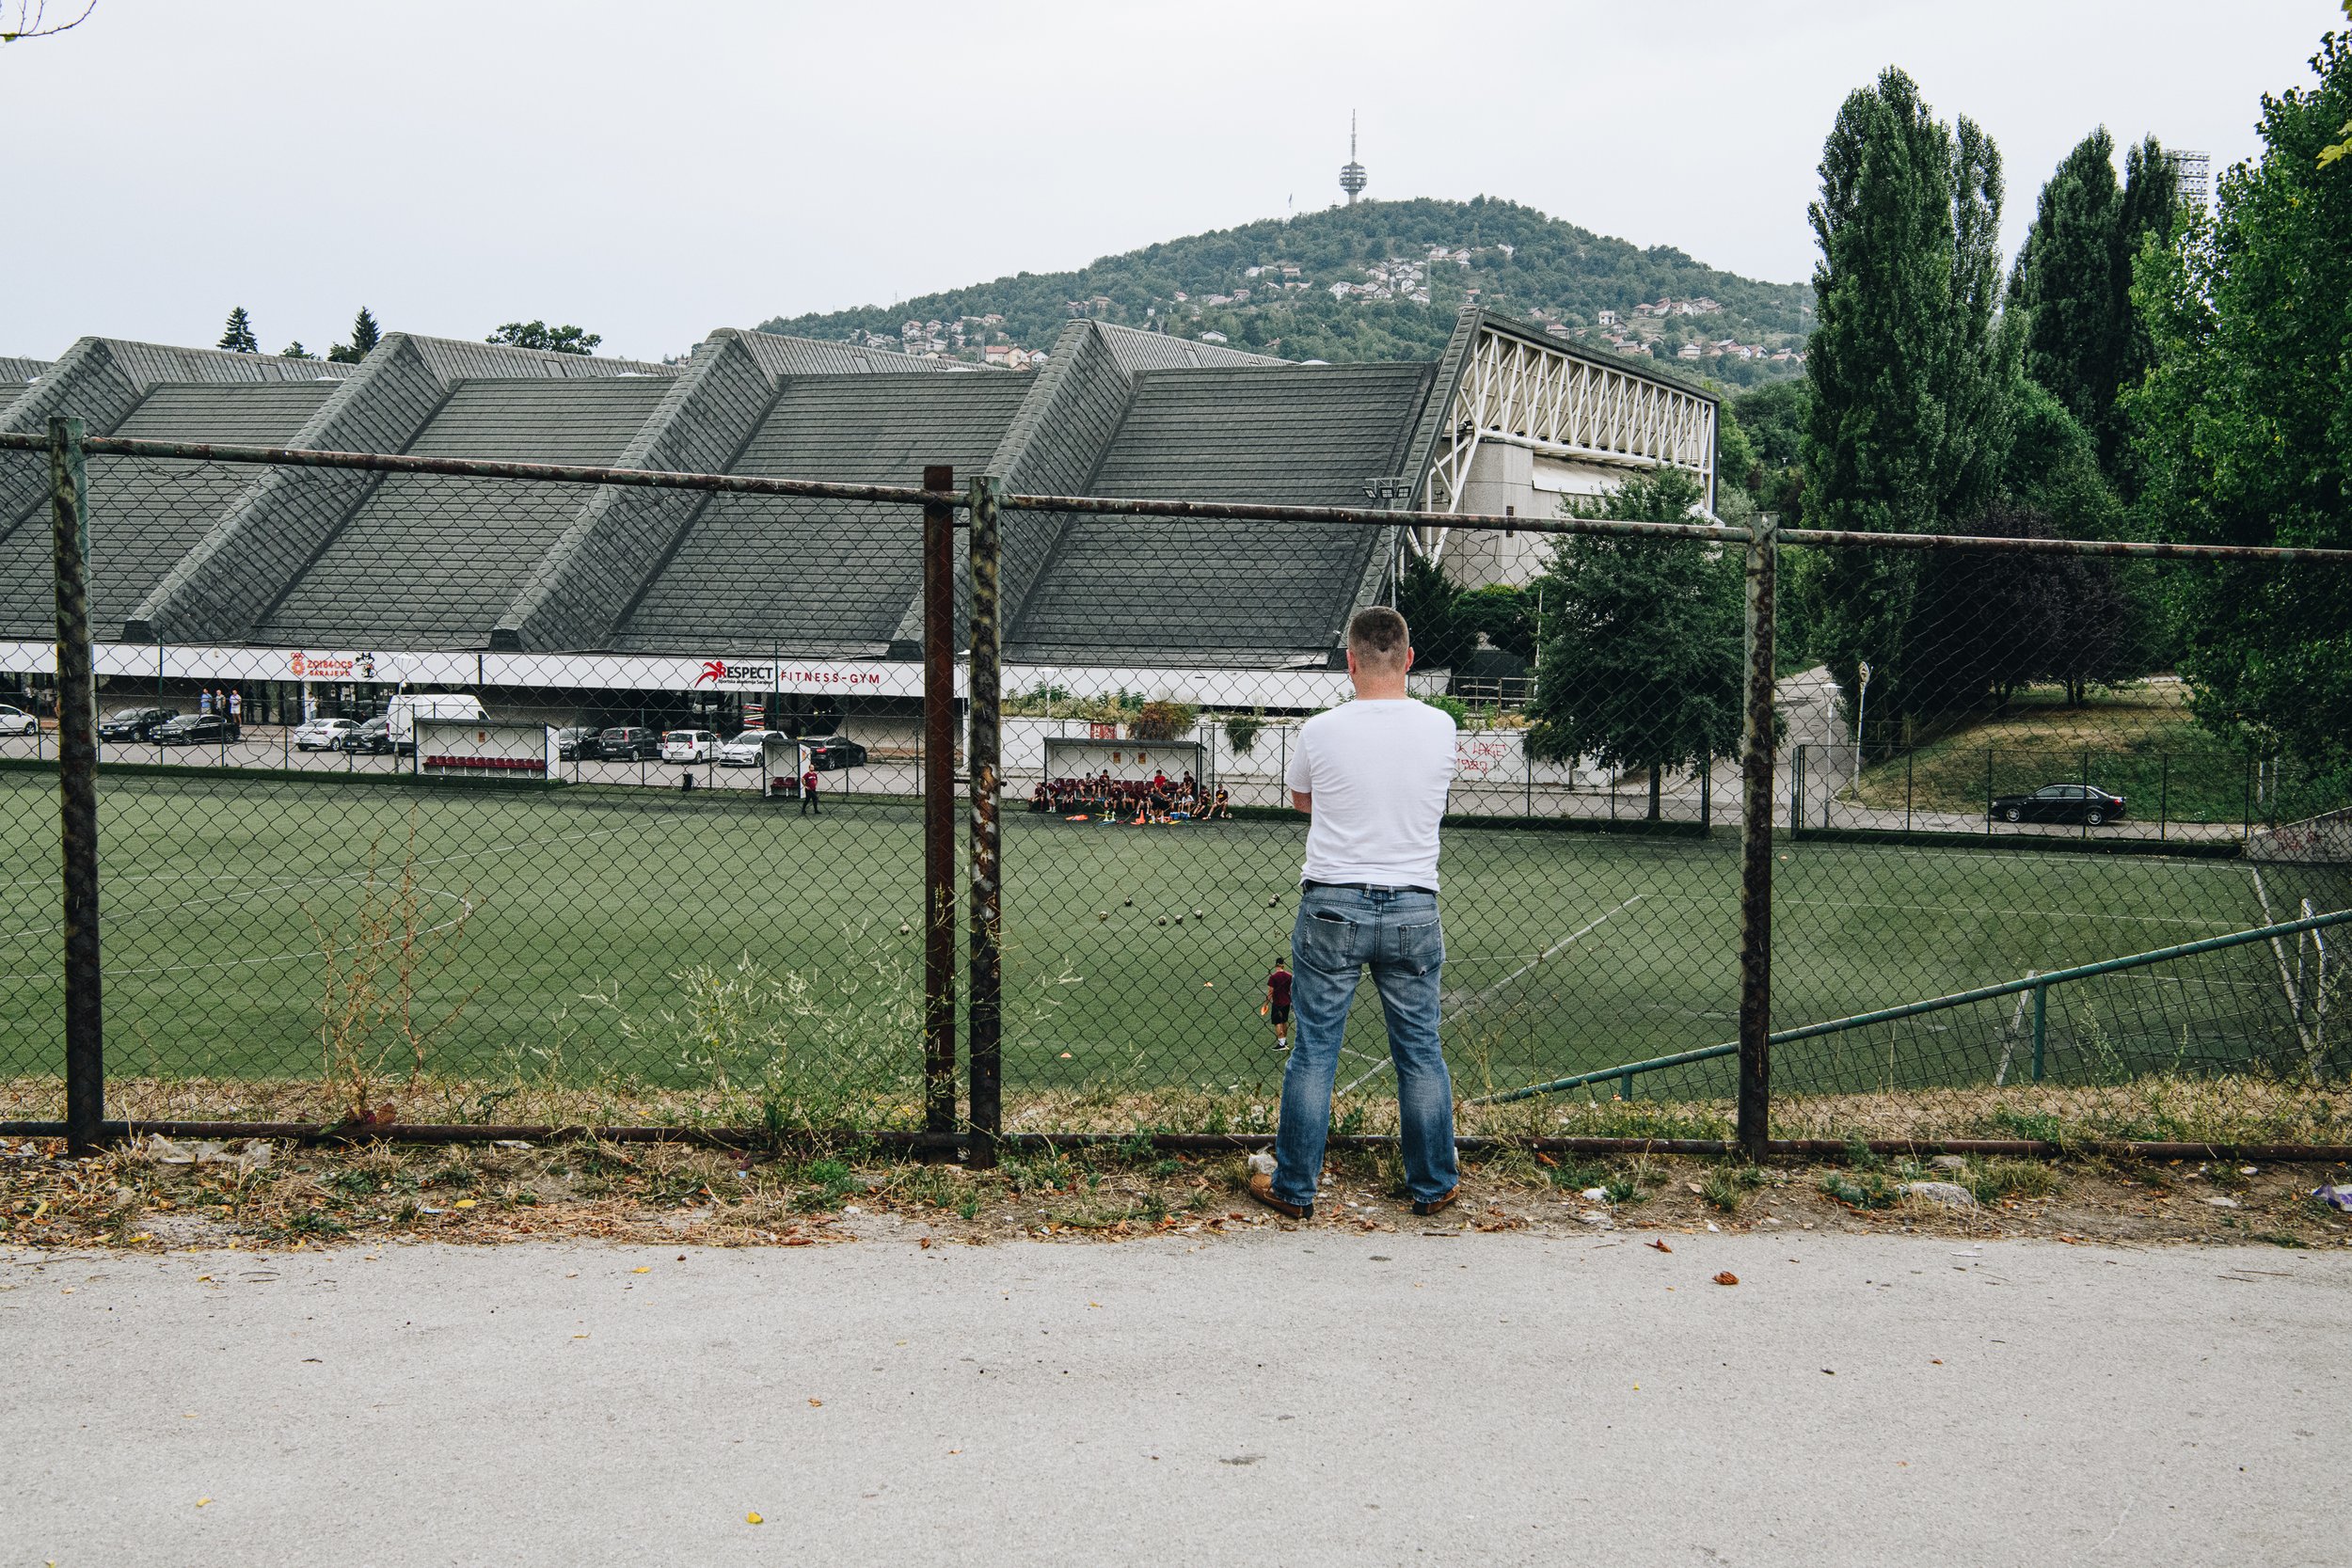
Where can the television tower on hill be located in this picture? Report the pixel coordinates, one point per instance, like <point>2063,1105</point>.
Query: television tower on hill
<point>1352,177</point>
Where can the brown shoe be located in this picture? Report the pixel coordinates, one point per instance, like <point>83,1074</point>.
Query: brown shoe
<point>1260,1186</point>
<point>1434,1205</point>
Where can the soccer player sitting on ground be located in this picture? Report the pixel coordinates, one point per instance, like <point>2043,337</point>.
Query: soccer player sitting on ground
<point>1373,776</point>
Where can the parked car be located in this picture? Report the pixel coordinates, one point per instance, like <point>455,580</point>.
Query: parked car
<point>372,739</point>
<point>192,729</point>
<point>135,723</point>
<point>15,721</point>
<point>689,745</point>
<point>627,742</point>
<point>2088,805</point>
<point>322,735</point>
<point>575,742</point>
<point>746,749</point>
<point>834,752</point>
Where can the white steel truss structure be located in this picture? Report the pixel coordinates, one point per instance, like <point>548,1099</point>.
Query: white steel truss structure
<point>1519,391</point>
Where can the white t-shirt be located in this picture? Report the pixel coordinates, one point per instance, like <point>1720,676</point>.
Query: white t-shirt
<point>1378,771</point>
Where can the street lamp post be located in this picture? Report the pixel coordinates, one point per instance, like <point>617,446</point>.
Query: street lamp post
<point>1860,712</point>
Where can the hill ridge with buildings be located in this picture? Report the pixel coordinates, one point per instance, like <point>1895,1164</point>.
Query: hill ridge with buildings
<point>1376,281</point>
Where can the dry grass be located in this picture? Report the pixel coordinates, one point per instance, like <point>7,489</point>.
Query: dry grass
<point>2235,1110</point>
<point>284,1197</point>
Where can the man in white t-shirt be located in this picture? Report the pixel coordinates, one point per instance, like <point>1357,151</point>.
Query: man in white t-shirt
<point>1373,775</point>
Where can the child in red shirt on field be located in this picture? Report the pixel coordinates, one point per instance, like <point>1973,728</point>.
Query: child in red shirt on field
<point>1277,1003</point>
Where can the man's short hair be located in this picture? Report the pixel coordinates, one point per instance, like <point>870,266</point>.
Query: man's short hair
<point>1378,635</point>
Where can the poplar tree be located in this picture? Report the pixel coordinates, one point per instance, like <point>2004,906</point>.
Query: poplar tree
<point>2083,343</point>
<point>1907,426</point>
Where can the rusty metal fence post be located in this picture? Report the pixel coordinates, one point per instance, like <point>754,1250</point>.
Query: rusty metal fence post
<point>939,809</point>
<point>987,966</point>
<point>77,791</point>
<point>1757,753</point>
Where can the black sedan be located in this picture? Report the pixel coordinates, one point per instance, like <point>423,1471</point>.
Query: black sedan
<point>192,729</point>
<point>135,723</point>
<point>2086,804</point>
<point>372,739</point>
<point>575,742</point>
<point>834,753</point>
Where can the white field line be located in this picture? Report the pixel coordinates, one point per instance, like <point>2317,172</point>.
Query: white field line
<point>299,881</point>
<point>1443,1012</point>
<point>466,908</point>
<point>1779,902</point>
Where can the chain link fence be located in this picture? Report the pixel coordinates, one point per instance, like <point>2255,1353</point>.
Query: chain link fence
<point>395,824</point>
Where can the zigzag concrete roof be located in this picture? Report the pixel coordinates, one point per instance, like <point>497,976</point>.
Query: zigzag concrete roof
<point>320,558</point>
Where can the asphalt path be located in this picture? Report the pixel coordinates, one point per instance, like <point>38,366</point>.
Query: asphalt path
<point>1292,1397</point>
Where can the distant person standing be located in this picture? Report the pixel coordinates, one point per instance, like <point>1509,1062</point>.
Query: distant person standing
<point>1277,1003</point>
<point>808,791</point>
<point>236,711</point>
<point>1373,775</point>
<point>203,700</point>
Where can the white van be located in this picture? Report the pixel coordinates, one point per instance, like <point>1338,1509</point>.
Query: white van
<point>402,713</point>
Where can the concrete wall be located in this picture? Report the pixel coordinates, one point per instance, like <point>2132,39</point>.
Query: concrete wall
<point>1517,478</point>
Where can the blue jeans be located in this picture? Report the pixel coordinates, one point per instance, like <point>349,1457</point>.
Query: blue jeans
<point>1340,931</point>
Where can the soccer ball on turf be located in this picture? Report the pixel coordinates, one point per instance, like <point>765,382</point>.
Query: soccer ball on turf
<point>1162,919</point>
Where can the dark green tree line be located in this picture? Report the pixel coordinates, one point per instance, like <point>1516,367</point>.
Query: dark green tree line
<point>2243,427</point>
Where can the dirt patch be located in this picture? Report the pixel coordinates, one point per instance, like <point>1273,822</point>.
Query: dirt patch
<point>166,1196</point>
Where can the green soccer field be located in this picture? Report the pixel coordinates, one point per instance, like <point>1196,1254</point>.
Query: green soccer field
<point>1134,958</point>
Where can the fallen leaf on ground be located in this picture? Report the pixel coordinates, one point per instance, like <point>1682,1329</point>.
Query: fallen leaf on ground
<point>640,1269</point>
<point>1659,1245</point>
<point>1727,1277</point>
<point>754,1519</point>
<point>816,1404</point>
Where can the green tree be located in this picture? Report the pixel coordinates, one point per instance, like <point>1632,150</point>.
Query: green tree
<point>539,335</point>
<point>237,337</point>
<point>296,351</point>
<point>2082,339</point>
<point>2066,282</point>
<point>2243,429</point>
<point>1425,597</point>
<point>1774,418</point>
<point>365,335</point>
<point>1908,420</point>
<point>1504,614</point>
<point>1642,662</point>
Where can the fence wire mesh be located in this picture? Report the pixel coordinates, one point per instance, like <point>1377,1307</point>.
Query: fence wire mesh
<point>418,791</point>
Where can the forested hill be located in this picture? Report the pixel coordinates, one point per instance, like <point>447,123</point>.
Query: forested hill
<point>1379,280</point>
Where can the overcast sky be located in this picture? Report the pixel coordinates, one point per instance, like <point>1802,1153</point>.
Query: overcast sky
<point>653,170</point>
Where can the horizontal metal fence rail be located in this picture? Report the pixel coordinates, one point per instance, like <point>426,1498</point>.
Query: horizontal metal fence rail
<point>2038,985</point>
<point>1110,507</point>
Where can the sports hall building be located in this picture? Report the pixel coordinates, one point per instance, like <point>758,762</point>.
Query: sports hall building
<point>554,597</point>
